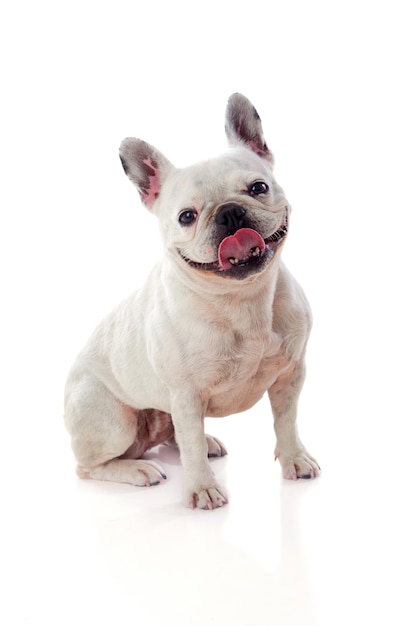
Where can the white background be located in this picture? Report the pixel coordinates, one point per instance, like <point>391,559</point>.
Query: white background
<point>331,81</point>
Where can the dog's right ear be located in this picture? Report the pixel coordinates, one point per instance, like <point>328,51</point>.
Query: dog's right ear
<point>145,166</point>
<point>243,126</point>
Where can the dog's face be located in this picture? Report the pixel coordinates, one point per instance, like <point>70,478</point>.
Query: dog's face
<point>227,215</point>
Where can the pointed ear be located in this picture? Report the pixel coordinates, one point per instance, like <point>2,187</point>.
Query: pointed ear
<point>243,126</point>
<point>146,167</point>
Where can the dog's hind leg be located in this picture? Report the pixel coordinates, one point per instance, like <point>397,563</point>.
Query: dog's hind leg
<point>104,434</point>
<point>215,447</point>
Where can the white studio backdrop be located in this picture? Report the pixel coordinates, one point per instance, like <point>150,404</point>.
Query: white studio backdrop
<point>330,83</point>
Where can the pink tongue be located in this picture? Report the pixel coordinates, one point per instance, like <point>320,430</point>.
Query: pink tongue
<point>239,246</point>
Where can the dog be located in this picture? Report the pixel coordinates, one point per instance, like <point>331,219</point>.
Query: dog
<point>218,322</point>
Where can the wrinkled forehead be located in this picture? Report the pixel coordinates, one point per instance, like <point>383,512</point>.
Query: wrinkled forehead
<point>211,180</point>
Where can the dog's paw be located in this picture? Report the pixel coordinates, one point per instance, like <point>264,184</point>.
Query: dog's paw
<point>136,472</point>
<point>207,498</point>
<point>215,447</point>
<point>148,473</point>
<point>298,465</point>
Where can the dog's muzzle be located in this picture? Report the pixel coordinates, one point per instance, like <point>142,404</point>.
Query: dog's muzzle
<point>244,252</point>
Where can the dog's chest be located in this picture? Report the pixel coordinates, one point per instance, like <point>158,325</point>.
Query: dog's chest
<point>248,370</point>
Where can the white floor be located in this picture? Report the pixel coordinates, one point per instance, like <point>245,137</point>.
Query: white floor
<point>335,550</point>
<point>330,82</point>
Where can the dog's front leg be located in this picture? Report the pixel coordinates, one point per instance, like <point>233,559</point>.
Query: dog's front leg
<point>295,461</point>
<point>200,486</point>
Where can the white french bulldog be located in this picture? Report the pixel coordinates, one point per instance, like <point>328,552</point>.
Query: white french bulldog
<point>219,321</point>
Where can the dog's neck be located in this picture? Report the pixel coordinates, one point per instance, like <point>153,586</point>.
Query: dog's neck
<point>253,294</point>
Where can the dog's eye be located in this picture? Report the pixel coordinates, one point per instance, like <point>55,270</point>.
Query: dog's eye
<point>186,218</point>
<point>258,188</point>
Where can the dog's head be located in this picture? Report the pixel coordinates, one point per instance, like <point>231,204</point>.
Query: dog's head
<point>226,215</point>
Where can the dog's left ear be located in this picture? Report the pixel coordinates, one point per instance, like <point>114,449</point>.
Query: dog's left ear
<point>243,126</point>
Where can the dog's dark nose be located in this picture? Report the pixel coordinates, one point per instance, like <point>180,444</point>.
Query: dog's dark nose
<point>231,217</point>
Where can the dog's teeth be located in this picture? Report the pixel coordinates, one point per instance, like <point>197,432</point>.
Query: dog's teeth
<point>233,261</point>
<point>256,251</point>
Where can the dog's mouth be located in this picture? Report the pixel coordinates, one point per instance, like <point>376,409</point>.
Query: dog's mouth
<point>244,250</point>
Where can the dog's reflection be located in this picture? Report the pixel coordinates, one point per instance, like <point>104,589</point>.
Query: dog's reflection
<point>186,569</point>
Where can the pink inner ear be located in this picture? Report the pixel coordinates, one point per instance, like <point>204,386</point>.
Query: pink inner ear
<point>150,190</point>
<point>257,146</point>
